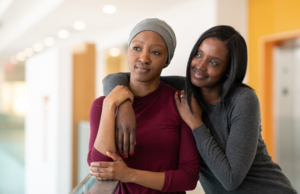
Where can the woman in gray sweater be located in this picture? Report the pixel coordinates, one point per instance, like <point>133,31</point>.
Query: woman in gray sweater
<point>223,114</point>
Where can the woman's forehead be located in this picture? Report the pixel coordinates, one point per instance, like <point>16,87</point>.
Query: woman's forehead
<point>214,46</point>
<point>149,37</point>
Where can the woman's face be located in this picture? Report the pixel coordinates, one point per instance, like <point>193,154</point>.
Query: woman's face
<point>209,65</point>
<point>147,55</point>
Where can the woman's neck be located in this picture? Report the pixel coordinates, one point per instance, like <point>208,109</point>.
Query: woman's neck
<point>210,95</point>
<point>139,88</point>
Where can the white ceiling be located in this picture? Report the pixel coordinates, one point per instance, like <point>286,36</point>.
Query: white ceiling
<point>25,22</point>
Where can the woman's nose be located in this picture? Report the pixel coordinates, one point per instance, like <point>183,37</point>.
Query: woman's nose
<point>201,65</point>
<point>144,58</point>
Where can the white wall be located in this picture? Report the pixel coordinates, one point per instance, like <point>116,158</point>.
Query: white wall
<point>235,14</point>
<point>48,126</point>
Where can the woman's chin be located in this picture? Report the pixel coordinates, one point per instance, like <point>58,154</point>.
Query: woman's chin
<point>197,82</point>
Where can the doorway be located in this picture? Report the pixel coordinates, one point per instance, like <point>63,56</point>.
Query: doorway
<point>287,108</point>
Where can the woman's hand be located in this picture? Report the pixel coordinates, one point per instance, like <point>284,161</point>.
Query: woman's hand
<point>118,95</point>
<point>116,170</point>
<point>193,120</point>
<point>125,129</point>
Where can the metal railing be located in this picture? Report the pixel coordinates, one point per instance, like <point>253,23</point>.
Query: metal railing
<point>90,185</point>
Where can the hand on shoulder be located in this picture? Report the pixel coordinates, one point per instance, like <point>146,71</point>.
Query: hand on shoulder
<point>193,120</point>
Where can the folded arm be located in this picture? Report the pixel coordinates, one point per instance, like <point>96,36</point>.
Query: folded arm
<point>102,138</point>
<point>182,179</point>
<point>104,163</point>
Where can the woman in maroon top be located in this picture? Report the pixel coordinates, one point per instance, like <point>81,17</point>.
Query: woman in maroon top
<point>165,157</point>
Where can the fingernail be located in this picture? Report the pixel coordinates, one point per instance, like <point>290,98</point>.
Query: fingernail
<point>131,153</point>
<point>121,154</point>
<point>91,172</point>
<point>125,156</point>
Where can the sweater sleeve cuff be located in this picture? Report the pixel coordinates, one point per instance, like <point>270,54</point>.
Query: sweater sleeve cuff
<point>201,133</point>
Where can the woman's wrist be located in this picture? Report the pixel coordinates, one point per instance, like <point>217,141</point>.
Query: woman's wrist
<point>109,103</point>
<point>193,125</point>
<point>133,173</point>
<point>153,180</point>
<point>126,103</point>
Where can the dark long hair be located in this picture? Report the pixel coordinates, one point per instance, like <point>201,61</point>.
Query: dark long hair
<point>237,63</point>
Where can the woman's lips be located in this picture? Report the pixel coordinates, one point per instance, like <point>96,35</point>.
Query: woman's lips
<point>199,75</point>
<point>142,69</point>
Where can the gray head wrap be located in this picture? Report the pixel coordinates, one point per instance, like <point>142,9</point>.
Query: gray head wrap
<point>160,27</point>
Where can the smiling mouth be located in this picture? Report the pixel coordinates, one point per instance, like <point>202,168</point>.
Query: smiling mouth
<point>142,69</point>
<point>199,75</point>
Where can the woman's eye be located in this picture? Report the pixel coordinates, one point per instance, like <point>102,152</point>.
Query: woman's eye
<point>156,52</point>
<point>136,48</point>
<point>213,63</point>
<point>198,55</point>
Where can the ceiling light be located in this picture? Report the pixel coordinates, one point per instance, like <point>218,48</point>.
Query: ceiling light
<point>109,9</point>
<point>63,34</point>
<point>38,47</point>
<point>13,60</point>
<point>49,41</point>
<point>28,52</point>
<point>114,52</point>
<point>21,56</point>
<point>79,25</point>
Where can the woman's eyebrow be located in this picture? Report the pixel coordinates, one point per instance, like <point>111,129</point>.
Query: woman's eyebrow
<point>217,58</point>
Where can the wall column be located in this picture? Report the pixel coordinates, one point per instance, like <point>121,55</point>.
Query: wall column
<point>84,70</point>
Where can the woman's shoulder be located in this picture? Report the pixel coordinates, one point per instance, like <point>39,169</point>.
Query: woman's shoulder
<point>167,88</point>
<point>243,94</point>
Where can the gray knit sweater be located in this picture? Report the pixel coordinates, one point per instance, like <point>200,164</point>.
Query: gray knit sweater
<point>234,156</point>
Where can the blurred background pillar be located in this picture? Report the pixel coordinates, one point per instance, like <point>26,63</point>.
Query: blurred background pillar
<point>48,123</point>
<point>84,71</point>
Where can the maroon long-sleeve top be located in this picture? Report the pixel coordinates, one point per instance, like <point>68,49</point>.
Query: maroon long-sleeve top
<point>164,142</point>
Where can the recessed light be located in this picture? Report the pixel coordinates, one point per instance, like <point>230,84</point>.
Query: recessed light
<point>79,25</point>
<point>63,34</point>
<point>28,52</point>
<point>49,41</point>
<point>38,47</point>
<point>109,9</point>
<point>114,52</point>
